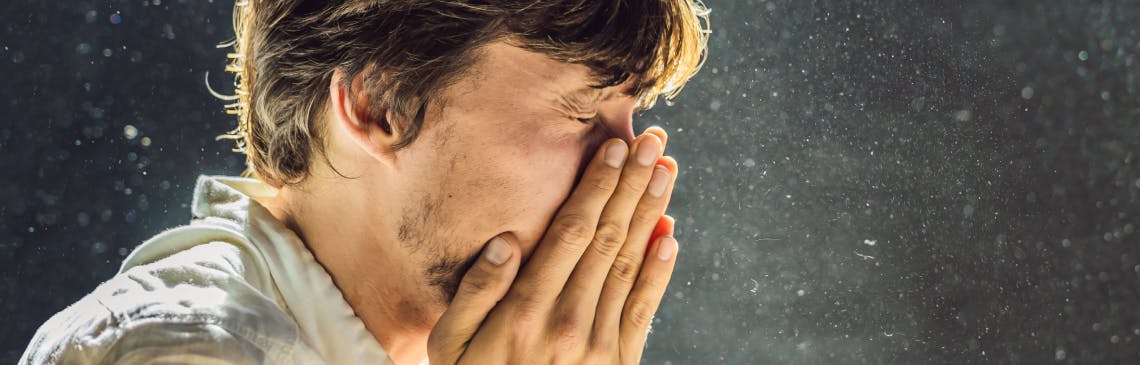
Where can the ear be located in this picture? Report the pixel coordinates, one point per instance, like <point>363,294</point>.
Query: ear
<point>374,135</point>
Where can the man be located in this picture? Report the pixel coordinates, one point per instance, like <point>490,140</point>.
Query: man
<point>425,187</point>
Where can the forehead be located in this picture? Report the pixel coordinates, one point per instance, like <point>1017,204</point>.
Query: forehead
<point>502,64</point>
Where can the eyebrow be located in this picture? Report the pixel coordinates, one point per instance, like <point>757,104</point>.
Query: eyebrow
<point>589,94</point>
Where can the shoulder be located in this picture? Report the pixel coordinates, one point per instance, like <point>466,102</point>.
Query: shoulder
<point>192,306</point>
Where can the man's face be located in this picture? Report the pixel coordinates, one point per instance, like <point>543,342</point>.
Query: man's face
<point>501,155</point>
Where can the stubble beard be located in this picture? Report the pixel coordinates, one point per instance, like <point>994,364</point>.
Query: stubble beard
<point>445,274</point>
<point>444,268</point>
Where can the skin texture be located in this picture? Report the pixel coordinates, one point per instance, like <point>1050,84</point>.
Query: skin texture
<point>497,156</point>
<point>587,295</point>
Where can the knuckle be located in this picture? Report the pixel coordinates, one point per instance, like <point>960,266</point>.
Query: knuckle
<point>572,229</point>
<point>600,182</point>
<point>631,186</point>
<point>609,238</point>
<point>527,312</point>
<point>625,269</point>
<point>568,324</point>
<point>640,312</point>
<point>645,213</point>
<point>568,331</point>
<point>654,281</point>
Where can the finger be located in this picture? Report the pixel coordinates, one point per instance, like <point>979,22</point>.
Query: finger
<point>627,264</point>
<point>645,298</point>
<point>585,283</point>
<point>572,228</point>
<point>664,227</point>
<point>480,290</point>
<point>665,223</point>
<point>660,133</point>
<point>670,164</point>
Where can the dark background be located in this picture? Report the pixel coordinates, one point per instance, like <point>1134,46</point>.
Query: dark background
<point>863,181</point>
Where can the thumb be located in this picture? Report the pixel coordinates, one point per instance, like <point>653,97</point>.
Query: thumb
<point>484,284</point>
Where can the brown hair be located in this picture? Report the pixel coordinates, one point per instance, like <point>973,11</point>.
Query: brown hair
<point>285,53</point>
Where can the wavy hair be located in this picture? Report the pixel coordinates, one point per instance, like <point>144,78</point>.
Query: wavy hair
<point>285,53</point>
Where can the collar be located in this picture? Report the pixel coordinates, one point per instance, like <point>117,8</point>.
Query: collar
<point>326,321</point>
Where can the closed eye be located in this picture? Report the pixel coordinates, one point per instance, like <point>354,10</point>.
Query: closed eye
<point>586,120</point>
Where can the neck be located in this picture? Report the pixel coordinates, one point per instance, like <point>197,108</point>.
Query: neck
<point>378,281</point>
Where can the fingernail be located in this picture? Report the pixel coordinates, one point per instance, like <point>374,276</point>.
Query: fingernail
<point>615,154</point>
<point>666,247</point>
<point>659,181</point>
<point>497,251</point>
<point>647,151</point>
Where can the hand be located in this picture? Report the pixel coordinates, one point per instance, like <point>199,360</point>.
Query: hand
<point>589,292</point>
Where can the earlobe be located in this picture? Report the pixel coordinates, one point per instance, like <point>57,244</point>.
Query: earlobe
<point>350,112</point>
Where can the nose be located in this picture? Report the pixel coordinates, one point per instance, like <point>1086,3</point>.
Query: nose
<point>620,127</point>
<point>617,116</point>
<point>624,131</point>
<point>608,128</point>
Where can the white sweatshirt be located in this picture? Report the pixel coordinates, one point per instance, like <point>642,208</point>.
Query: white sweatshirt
<point>235,286</point>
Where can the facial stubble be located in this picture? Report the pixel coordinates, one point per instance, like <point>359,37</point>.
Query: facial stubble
<point>445,269</point>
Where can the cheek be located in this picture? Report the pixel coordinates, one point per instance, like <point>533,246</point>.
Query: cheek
<point>550,164</point>
<point>533,175</point>
<point>513,175</point>
<point>550,176</point>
